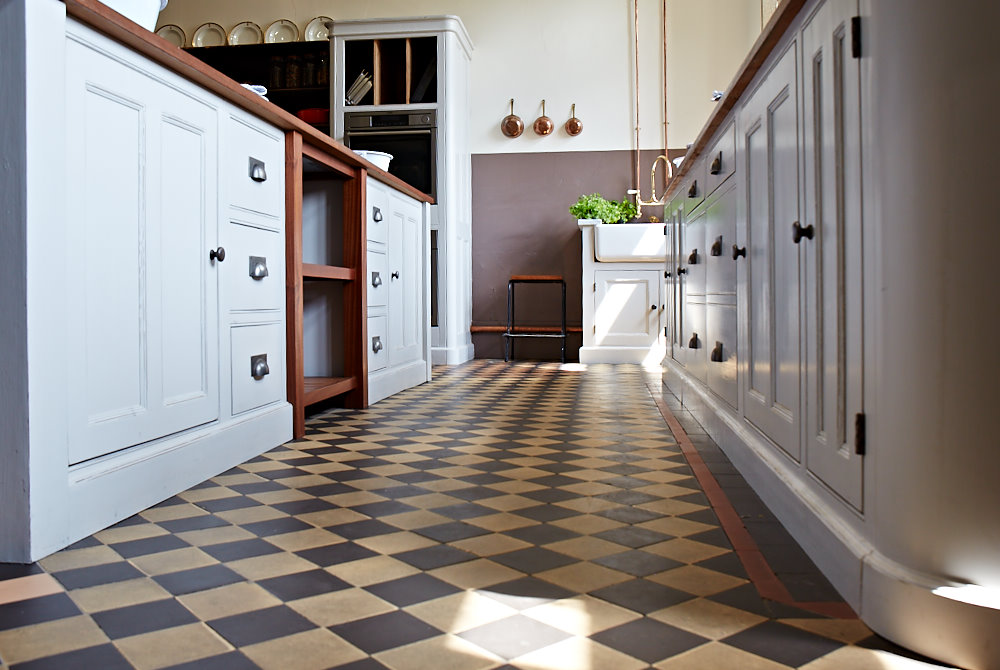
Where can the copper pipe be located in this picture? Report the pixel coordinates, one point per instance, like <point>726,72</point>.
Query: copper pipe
<point>637,145</point>
<point>666,144</point>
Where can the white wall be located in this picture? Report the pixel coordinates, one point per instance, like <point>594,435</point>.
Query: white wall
<point>563,51</point>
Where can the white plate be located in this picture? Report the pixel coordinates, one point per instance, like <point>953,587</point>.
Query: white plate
<point>173,34</point>
<point>317,31</point>
<point>209,35</point>
<point>282,30</point>
<point>247,32</point>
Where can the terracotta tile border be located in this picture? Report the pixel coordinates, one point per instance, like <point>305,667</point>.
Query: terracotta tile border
<point>764,580</point>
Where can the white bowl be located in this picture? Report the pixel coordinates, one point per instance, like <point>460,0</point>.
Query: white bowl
<point>143,12</point>
<point>379,158</point>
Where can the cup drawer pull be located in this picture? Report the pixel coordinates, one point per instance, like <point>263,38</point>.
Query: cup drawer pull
<point>258,172</point>
<point>258,267</point>
<point>258,366</point>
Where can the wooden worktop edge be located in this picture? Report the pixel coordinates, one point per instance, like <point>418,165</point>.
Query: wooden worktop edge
<point>105,20</point>
<point>765,45</point>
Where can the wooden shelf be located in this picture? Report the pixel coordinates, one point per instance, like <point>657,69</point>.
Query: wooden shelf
<point>318,389</point>
<point>328,272</point>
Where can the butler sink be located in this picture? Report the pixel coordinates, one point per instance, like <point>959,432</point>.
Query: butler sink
<point>629,242</point>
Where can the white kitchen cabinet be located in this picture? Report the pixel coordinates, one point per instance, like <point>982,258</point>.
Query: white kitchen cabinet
<point>627,308</point>
<point>770,151</point>
<point>130,328</point>
<point>398,287</point>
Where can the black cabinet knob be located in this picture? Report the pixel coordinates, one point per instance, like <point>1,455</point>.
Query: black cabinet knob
<point>717,246</point>
<point>394,275</point>
<point>798,232</point>
<point>739,251</point>
<point>682,271</point>
<point>217,254</point>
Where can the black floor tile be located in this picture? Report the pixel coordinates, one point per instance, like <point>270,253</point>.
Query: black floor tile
<point>303,584</point>
<point>260,625</point>
<point>468,510</point>
<point>648,640</point>
<point>782,644</point>
<point>285,524</point>
<point>36,610</point>
<point>149,545</point>
<point>550,495</point>
<point>234,551</point>
<point>637,563</point>
<point>331,489</point>
<point>450,532</point>
<point>200,522</point>
<point>304,506</point>
<point>514,636</point>
<point>363,664</point>
<point>333,554</point>
<point>728,563</point>
<point>197,579</point>
<point>385,631</point>
<point>404,491</point>
<point>357,530</point>
<point>533,559</point>
<point>138,619</point>
<point>79,578</point>
<point>632,536</point>
<point>642,596</point>
<point>103,656</point>
<point>433,557</point>
<point>383,508</point>
<point>627,514</point>
<point>546,512</point>
<point>628,497</point>
<point>474,493</point>
<point>413,589</point>
<point>15,570</point>
<point>256,487</point>
<point>227,504</point>
<point>715,537</point>
<point>233,660</point>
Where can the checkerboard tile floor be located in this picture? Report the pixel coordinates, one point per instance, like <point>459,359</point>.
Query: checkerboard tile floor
<point>502,516</point>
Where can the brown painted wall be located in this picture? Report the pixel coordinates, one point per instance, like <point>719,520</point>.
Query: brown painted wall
<point>521,225</point>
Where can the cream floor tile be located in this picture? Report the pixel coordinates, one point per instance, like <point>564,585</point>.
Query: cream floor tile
<point>582,577</point>
<point>185,511</point>
<point>585,548</point>
<point>676,526</point>
<point>528,461</point>
<point>719,655</point>
<point>589,475</point>
<point>456,471</point>
<point>128,533</point>
<point>206,494</point>
<point>587,505</point>
<point>577,653</point>
<point>118,594</point>
<point>311,650</point>
<point>275,497</point>
<point>477,574</point>
<point>592,464</point>
<point>28,643</point>
<point>685,551</point>
<point>209,536</point>
<point>305,539</point>
<point>656,464</point>
<point>843,630</point>
<point>415,519</point>
<point>395,543</point>
<point>270,565</point>
<point>443,485</point>
<point>251,514</point>
<point>581,615</point>
<point>371,570</point>
<point>228,600</point>
<point>330,609</point>
<point>670,507</point>
<point>859,658</point>
<point>431,500</point>
<point>355,498</point>
<point>79,558</point>
<point>332,517</point>
<point>501,522</point>
<point>517,486</point>
<point>490,545</point>
<point>325,468</point>
<point>507,503</point>
<point>468,459</point>
<point>589,489</point>
<point>697,580</point>
<point>241,478</point>
<point>172,646</point>
<point>372,483</point>
<point>661,477</point>
<point>174,560</point>
<point>391,470</point>
<point>708,618</point>
<point>444,652</point>
<point>461,611</point>
<point>29,586</point>
<point>588,524</point>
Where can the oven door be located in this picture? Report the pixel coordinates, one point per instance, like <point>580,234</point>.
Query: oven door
<point>412,152</point>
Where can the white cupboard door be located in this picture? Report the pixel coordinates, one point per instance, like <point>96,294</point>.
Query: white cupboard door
<point>833,269</point>
<point>626,307</point>
<point>142,181</point>
<point>406,277</point>
<point>770,149</point>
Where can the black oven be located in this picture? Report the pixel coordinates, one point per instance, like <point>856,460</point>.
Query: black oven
<point>410,136</point>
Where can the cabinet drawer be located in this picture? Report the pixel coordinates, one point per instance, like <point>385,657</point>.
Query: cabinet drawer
<point>255,162</point>
<point>720,343</point>
<point>378,279</point>
<point>720,235</point>
<point>720,160</point>
<point>693,256</point>
<point>258,353</point>
<point>691,352</point>
<point>254,268</point>
<point>378,352</point>
<point>378,212</point>
<point>693,190</point>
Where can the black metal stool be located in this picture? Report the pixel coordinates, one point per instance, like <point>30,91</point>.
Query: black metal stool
<point>547,332</point>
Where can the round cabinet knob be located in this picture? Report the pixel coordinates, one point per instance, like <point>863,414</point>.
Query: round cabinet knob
<point>682,271</point>
<point>652,308</point>
<point>395,275</point>
<point>739,251</point>
<point>217,254</point>
<point>799,231</point>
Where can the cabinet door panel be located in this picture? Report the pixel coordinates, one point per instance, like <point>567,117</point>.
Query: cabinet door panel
<point>833,260</point>
<point>720,344</point>
<point>771,150</point>
<point>405,280</point>
<point>142,186</point>
<point>720,234</point>
<point>626,311</point>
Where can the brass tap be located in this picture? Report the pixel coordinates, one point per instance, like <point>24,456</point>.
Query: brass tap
<point>639,202</point>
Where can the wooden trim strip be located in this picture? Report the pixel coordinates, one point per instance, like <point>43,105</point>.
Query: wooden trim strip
<point>293,282</point>
<point>105,20</point>
<point>314,271</point>
<point>323,388</point>
<point>524,329</point>
<point>763,577</point>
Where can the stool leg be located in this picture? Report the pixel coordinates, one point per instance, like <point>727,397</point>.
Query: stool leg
<point>563,351</point>
<point>510,319</point>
